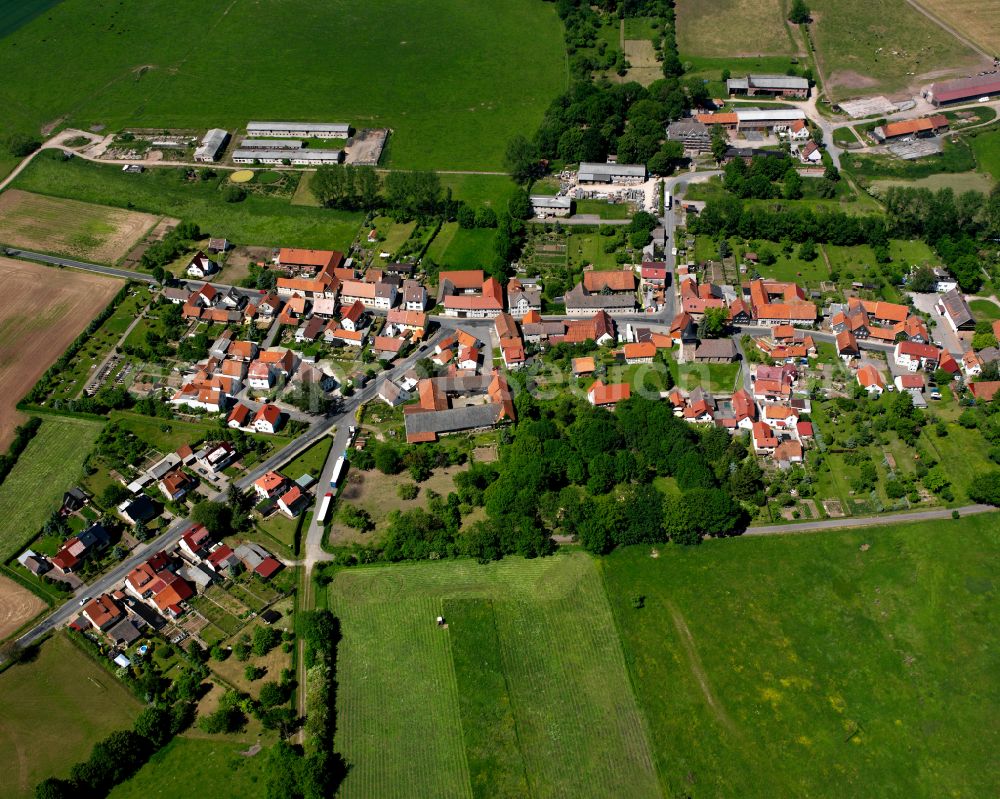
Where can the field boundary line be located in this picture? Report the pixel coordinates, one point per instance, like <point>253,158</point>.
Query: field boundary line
<point>697,669</point>
<point>640,707</point>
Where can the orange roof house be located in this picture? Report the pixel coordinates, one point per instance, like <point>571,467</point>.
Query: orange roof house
<point>642,352</point>
<point>602,394</point>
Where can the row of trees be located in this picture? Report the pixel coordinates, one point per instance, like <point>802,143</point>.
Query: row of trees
<point>413,194</point>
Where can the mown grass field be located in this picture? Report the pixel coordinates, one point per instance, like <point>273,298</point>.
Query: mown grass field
<point>221,771</point>
<point>970,18</point>
<point>813,666</point>
<point>405,731</point>
<point>732,28</point>
<point>454,80</point>
<point>258,220</point>
<point>49,465</point>
<point>886,46</point>
<point>52,711</point>
<point>459,248</point>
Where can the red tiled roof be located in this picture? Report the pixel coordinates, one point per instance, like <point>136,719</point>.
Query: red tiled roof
<point>617,280</point>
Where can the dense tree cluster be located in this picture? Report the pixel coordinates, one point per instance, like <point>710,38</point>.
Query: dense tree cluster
<point>591,120</point>
<point>581,471</point>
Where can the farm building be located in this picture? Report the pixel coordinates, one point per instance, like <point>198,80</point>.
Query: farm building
<point>272,144</point>
<point>954,91</point>
<point>277,157</point>
<point>212,145</point>
<point>612,173</point>
<point>543,205</point>
<point>771,85</point>
<point>693,134</point>
<point>308,130</point>
<point>768,118</point>
<point>727,121</point>
<point>926,126</point>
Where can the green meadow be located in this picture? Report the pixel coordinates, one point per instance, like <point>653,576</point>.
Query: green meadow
<point>526,686</point>
<point>258,219</point>
<point>854,663</point>
<point>848,663</point>
<point>453,79</point>
<point>49,465</point>
<point>53,709</point>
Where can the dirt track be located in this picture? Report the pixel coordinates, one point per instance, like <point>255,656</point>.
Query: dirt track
<point>42,309</point>
<point>17,605</point>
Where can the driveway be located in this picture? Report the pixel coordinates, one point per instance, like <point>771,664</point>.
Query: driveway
<point>942,333</point>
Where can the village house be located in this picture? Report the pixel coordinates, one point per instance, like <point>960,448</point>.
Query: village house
<point>639,352</point>
<point>379,296</point>
<point>269,485</point>
<point>414,296</point>
<point>268,418</point>
<point>603,395</point>
<point>522,300</point>
<point>103,612</point>
<point>847,345</point>
<point>239,416</point>
<point>292,502</point>
<point>195,541</point>
<point>176,483</point>
<point>469,294</point>
<point>870,379</point>
<point>913,356</point>
<point>953,307</point>
<point>79,548</point>
<point>485,402</point>
<point>200,266</point>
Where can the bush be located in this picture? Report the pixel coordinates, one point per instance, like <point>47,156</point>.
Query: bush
<point>408,491</point>
<point>234,194</point>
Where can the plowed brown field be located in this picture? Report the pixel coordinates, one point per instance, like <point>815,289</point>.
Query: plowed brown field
<point>42,309</point>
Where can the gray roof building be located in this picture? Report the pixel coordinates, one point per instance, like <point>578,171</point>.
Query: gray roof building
<point>272,144</point>
<point>546,201</point>
<point>321,130</point>
<point>607,173</point>
<point>451,420</point>
<point>212,145</point>
<point>781,83</point>
<point>956,309</point>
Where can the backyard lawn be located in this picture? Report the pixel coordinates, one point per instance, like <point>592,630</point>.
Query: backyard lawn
<point>984,309</point>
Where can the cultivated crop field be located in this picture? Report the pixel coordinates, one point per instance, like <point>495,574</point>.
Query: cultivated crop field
<point>887,46</point>
<point>17,605</point>
<point>49,465</point>
<point>837,664</point>
<point>52,711</point>
<point>530,646</point>
<point>37,324</point>
<point>973,19</point>
<point>66,227</point>
<point>453,79</point>
<point>732,28</point>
